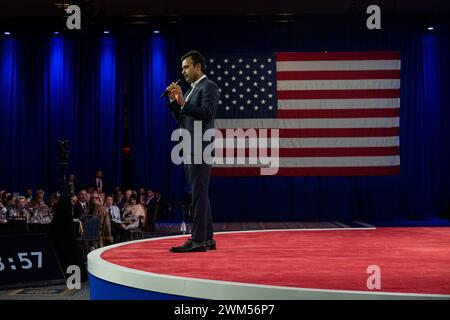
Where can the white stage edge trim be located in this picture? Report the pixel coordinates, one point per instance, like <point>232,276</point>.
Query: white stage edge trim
<point>225,290</point>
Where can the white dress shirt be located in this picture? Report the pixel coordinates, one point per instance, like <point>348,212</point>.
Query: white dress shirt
<point>193,85</point>
<point>99,184</point>
<point>114,213</point>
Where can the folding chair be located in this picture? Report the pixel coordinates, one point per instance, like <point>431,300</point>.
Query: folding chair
<point>137,233</point>
<point>90,235</point>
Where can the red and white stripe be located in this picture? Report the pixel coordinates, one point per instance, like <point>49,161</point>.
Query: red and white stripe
<point>338,115</point>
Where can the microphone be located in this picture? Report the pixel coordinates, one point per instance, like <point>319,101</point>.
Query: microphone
<point>166,93</point>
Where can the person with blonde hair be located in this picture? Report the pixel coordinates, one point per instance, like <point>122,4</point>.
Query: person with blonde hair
<point>96,209</point>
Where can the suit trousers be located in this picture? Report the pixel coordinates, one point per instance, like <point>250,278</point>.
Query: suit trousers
<point>198,176</point>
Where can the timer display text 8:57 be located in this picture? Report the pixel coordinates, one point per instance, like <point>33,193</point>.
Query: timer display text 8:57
<point>25,262</point>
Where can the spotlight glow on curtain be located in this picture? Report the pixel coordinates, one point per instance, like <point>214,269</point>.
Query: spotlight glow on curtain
<point>150,122</point>
<point>109,115</point>
<point>9,102</point>
<point>59,88</point>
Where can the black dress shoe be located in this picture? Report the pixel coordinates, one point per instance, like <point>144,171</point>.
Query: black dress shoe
<point>190,246</point>
<point>210,244</point>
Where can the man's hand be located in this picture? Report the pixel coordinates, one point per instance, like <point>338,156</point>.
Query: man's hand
<point>170,88</point>
<point>178,95</point>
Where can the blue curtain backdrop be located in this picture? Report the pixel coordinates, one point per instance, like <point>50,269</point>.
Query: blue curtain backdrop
<point>73,87</point>
<point>56,88</point>
<point>150,123</point>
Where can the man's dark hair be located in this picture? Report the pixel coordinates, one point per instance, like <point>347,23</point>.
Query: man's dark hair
<point>197,58</point>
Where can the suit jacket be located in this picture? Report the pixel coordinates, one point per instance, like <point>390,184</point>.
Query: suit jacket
<point>201,106</point>
<point>104,185</point>
<point>78,211</point>
<point>151,204</point>
<point>160,207</point>
<point>73,187</point>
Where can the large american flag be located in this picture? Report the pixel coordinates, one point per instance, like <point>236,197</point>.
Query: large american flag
<point>337,112</point>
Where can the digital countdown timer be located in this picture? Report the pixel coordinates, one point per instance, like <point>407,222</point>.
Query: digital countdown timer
<point>24,261</point>
<point>28,259</point>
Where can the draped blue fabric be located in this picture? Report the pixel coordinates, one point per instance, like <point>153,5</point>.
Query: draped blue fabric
<point>150,122</point>
<point>9,102</point>
<point>55,88</point>
<point>72,88</point>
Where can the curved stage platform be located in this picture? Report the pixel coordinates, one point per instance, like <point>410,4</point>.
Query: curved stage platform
<point>279,264</point>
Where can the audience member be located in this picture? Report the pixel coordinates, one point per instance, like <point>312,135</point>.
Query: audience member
<point>72,184</point>
<point>38,198</point>
<point>29,195</point>
<point>96,209</point>
<point>141,197</point>
<point>22,207</point>
<point>73,202</point>
<point>40,204</point>
<point>4,214</point>
<point>160,206</point>
<point>53,201</point>
<point>117,231</point>
<point>98,184</point>
<point>81,207</point>
<point>134,214</point>
<point>150,206</point>
<point>11,206</point>
<point>128,194</point>
<point>102,196</point>
<point>119,200</point>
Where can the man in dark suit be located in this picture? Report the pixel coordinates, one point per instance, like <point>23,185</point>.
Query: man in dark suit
<point>80,208</point>
<point>98,183</point>
<point>198,104</point>
<point>72,185</point>
<point>150,204</point>
<point>161,206</point>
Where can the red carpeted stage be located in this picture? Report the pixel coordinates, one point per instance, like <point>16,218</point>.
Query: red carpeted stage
<point>280,264</point>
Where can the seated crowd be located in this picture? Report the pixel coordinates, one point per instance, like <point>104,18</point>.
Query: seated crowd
<point>30,208</point>
<point>118,212</point>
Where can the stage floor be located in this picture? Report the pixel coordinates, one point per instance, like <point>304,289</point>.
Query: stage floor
<point>279,264</point>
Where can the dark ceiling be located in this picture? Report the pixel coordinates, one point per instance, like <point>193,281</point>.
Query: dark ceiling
<point>127,8</point>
